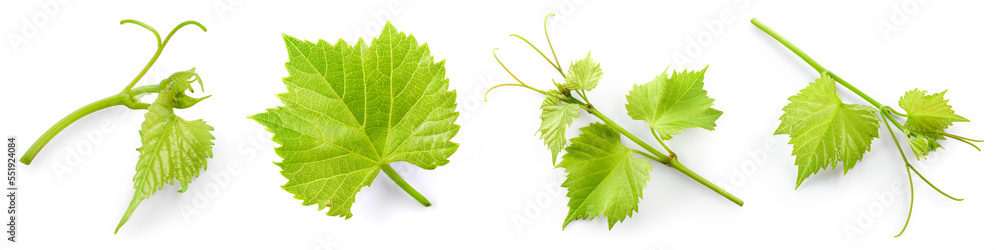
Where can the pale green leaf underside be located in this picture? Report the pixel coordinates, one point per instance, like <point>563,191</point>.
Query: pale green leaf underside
<point>824,130</point>
<point>927,118</point>
<point>604,177</point>
<point>584,74</point>
<point>671,104</point>
<point>172,149</point>
<point>351,109</point>
<point>556,116</point>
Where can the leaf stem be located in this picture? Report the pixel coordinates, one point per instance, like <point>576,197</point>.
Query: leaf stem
<point>107,102</point>
<point>894,121</point>
<point>813,63</point>
<point>583,94</point>
<point>660,157</point>
<point>788,45</point>
<point>893,111</point>
<point>856,91</point>
<point>660,140</point>
<point>405,186</point>
<point>884,112</point>
<point>672,162</point>
<point>114,100</point>
<point>647,155</point>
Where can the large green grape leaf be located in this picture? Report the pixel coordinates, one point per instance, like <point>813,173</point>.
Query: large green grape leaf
<point>671,104</point>
<point>927,118</point>
<point>604,177</point>
<point>556,116</point>
<point>351,110</point>
<point>824,130</point>
<point>172,148</point>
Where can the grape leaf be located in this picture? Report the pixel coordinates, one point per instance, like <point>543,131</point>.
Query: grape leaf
<point>556,116</point>
<point>584,74</point>
<point>927,118</point>
<point>351,110</point>
<point>172,148</point>
<point>604,177</point>
<point>929,113</point>
<point>671,104</point>
<point>824,130</point>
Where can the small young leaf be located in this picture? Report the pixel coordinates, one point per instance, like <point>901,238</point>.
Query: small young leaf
<point>928,113</point>
<point>172,149</point>
<point>671,104</point>
<point>605,178</point>
<point>927,118</point>
<point>556,116</point>
<point>181,81</point>
<point>351,110</point>
<point>584,74</point>
<point>923,145</point>
<point>824,130</point>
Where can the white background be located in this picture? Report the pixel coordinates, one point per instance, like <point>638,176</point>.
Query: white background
<point>500,190</point>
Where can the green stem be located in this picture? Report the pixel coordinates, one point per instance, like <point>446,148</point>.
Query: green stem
<point>893,111</point>
<point>107,102</point>
<point>405,186</point>
<point>886,111</point>
<point>647,155</point>
<point>583,94</point>
<point>660,157</point>
<point>660,140</point>
<point>788,45</point>
<point>672,162</point>
<point>666,160</point>
<point>907,166</point>
<point>811,62</point>
<point>114,100</point>
<point>856,91</point>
